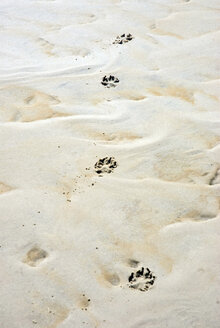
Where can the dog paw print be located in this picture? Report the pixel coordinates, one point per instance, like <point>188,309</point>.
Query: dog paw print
<point>142,279</point>
<point>105,165</point>
<point>110,82</point>
<point>123,39</point>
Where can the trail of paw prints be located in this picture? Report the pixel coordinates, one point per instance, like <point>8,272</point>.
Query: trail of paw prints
<point>105,165</point>
<point>123,39</point>
<point>142,279</point>
<point>110,82</point>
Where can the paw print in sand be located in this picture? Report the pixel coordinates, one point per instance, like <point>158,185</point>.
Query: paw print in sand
<point>105,165</point>
<point>110,81</point>
<point>123,39</point>
<point>142,279</point>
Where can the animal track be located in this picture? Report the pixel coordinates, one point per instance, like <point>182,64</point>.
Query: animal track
<point>123,39</point>
<point>142,279</point>
<point>105,165</point>
<point>110,81</point>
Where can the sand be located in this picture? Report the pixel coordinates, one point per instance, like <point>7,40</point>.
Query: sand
<point>110,164</point>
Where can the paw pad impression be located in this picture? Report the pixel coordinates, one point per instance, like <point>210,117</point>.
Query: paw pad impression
<point>110,81</point>
<point>123,38</point>
<point>105,165</point>
<point>142,279</point>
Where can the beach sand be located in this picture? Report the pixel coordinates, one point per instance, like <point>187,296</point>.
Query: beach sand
<point>110,164</point>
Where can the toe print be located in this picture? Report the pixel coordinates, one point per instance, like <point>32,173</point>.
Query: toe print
<point>123,39</point>
<point>110,81</point>
<point>105,165</point>
<point>142,279</point>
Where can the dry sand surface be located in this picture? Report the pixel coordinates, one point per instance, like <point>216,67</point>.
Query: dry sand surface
<point>110,156</point>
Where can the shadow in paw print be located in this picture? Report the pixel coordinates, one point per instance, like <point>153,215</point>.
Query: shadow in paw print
<point>105,165</point>
<point>133,263</point>
<point>123,39</point>
<point>110,81</point>
<point>142,279</point>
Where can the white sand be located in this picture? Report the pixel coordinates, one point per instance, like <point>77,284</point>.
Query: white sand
<point>70,237</point>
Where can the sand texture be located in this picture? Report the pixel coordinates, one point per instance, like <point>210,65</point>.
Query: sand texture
<point>110,163</point>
